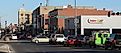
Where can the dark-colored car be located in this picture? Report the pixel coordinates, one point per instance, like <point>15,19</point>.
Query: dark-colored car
<point>113,42</point>
<point>117,41</point>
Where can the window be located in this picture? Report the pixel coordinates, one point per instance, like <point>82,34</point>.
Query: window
<point>99,35</point>
<point>41,37</point>
<point>59,36</point>
<point>118,37</point>
<point>80,37</point>
<point>21,14</point>
<point>105,35</point>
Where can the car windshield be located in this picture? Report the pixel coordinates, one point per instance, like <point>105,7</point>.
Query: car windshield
<point>41,37</point>
<point>59,36</point>
<point>105,35</point>
<point>112,35</point>
<point>99,35</point>
<point>80,37</point>
<point>118,36</point>
<point>71,38</point>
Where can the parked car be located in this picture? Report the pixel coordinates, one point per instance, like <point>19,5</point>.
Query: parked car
<point>113,42</point>
<point>57,38</point>
<point>117,41</point>
<point>40,39</point>
<point>14,36</point>
<point>74,41</point>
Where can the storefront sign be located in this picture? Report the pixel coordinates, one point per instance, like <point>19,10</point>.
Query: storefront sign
<point>95,21</point>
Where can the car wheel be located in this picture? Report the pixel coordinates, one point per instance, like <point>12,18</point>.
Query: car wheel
<point>112,47</point>
<point>65,45</point>
<point>36,41</point>
<point>50,42</point>
<point>106,47</point>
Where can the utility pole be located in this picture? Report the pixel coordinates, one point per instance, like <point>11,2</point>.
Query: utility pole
<point>75,19</point>
<point>0,22</point>
<point>41,17</point>
<point>5,24</point>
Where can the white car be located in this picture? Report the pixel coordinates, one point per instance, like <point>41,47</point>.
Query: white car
<point>14,36</point>
<point>57,38</point>
<point>40,39</point>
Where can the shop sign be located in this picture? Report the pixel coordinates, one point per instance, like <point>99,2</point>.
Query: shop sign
<point>95,21</point>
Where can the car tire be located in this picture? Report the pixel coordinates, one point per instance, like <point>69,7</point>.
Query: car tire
<point>36,41</point>
<point>50,42</point>
<point>65,45</point>
<point>112,47</point>
<point>106,47</point>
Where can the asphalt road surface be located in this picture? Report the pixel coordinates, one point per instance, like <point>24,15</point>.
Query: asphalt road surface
<point>47,48</point>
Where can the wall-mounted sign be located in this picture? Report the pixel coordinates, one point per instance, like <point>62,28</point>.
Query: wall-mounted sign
<point>95,20</point>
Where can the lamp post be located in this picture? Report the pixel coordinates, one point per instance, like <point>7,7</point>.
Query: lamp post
<point>38,16</point>
<point>0,22</point>
<point>75,19</point>
<point>5,24</point>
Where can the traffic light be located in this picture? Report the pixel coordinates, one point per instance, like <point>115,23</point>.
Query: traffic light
<point>117,13</point>
<point>109,14</point>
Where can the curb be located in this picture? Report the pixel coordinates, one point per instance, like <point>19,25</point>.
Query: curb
<point>16,41</point>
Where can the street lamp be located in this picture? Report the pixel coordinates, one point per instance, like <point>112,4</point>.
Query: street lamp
<point>0,22</point>
<point>76,20</point>
<point>38,16</point>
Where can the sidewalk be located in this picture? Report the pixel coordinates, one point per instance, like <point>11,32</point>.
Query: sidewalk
<point>15,41</point>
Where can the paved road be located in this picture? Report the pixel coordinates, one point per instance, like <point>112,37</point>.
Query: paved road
<point>45,47</point>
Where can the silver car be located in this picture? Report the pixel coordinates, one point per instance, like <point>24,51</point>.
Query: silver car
<point>40,39</point>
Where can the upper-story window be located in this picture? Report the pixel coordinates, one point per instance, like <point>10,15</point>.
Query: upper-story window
<point>21,14</point>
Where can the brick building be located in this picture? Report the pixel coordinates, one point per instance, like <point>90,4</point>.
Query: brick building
<point>40,18</point>
<point>58,21</point>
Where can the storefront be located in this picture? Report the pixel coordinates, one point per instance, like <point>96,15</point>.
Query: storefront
<point>98,23</point>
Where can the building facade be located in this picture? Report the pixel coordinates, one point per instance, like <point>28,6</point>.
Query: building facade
<point>24,17</point>
<point>90,23</point>
<point>63,19</point>
<point>40,18</point>
<point>97,23</point>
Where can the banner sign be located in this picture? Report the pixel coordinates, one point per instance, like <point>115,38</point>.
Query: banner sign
<point>95,21</point>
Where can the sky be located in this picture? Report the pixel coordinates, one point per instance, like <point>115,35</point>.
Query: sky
<point>9,8</point>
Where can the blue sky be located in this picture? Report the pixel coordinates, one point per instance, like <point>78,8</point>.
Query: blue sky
<point>9,8</point>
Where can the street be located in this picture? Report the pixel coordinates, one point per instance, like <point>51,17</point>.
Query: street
<point>47,48</point>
